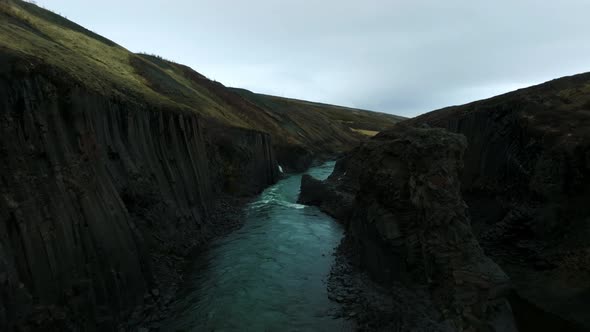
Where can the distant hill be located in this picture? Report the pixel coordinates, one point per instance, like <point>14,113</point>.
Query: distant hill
<point>351,117</point>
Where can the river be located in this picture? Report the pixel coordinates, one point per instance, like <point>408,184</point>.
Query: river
<point>270,275</point>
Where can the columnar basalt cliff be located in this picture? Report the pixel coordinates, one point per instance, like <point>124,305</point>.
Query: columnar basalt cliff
<point>527,183</point>
<point>98,195</point>
<point>408,225</point>
<point>113,166</point>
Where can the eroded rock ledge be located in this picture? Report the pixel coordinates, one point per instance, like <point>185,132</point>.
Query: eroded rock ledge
<point>407,225</point>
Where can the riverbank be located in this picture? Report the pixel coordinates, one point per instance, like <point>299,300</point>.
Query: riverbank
<point>372,307</point>
<point>227,216</point>
<point>270,274</point>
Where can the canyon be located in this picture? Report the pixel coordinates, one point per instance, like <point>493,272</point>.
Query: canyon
<point>116,166</point>
<point>119,169</point>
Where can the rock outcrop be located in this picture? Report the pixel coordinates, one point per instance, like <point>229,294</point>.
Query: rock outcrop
<point>527,183</point>
<point>99,197</point>
<point>337,204</point>
<point>409,225</point>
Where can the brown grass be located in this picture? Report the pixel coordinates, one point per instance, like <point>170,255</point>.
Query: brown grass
<point>369,133</point>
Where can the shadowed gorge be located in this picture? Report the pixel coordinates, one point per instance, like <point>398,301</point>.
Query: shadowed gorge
<point>115,166</point>
<point>138,195</point>
<point>270,273</point>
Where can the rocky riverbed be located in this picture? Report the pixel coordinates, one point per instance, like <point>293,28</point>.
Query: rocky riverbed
<point>373,307</point>
<point>227,215</point>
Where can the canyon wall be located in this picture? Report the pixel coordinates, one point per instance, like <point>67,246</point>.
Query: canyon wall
<point>99,196</point>
<point>408,226</point>
<point>527,183</point>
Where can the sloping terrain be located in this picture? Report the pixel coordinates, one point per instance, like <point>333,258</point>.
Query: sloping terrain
<point>527,182</point>
<point>319,126</point>
<point>351,117</point>
<point>36,36</point>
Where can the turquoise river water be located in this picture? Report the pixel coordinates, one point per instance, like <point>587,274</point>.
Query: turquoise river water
<point>270,275</point>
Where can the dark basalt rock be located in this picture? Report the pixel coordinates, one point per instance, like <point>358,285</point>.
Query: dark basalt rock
<point>294,159</point>
<point>409,226</point>
<point>322,194</point>
<point>313,191</point>
<point>100,199</point>
<point>527,183</point>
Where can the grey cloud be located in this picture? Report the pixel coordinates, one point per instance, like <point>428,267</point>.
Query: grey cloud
<point>403,57</point>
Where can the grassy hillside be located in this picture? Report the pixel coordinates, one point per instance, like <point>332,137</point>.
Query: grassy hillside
<point>307,120</point>
<point>558,111</point>
<point>363,121</point>
<point>32,37</point>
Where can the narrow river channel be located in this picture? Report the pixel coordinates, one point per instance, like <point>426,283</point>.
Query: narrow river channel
<point>268,276</point>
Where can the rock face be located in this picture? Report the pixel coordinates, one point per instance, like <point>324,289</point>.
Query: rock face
<point>98,195</point>
<point>409,225</point>
<point>337,204</point>
<point>295,159</point>
<point>527,183</point>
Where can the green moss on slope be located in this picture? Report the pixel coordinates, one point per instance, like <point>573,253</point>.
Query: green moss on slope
<point>34,37</point>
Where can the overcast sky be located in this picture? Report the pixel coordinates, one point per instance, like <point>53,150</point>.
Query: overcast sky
<point>402,57</point>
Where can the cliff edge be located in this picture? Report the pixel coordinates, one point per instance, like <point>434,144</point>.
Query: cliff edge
<point>527,183</point>
<point>408,228</point>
